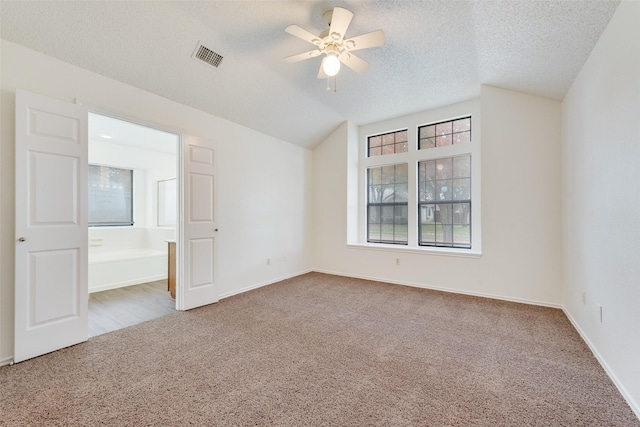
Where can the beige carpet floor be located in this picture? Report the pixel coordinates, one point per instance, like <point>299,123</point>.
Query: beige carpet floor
<point>321,350</point>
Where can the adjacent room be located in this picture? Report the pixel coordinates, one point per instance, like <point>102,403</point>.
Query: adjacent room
<point>132,216</point>
<point>347,213</point>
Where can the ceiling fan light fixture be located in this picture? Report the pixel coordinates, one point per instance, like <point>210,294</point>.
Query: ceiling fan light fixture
<point>331,65</point>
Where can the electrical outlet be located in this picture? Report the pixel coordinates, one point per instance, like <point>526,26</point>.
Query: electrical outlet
<point>268,261</point>
<point>397,261</point>
<point>584,298</point>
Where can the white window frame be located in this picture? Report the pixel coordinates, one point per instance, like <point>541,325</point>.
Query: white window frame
<point>412,157</point>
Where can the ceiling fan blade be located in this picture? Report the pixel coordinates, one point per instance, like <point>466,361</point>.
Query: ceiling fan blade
<point>302,56</point>
<point>321,73</point>
<point>365,41</point>
<point>305,35</point>
<point>357,64</point>
<point>340,21</point>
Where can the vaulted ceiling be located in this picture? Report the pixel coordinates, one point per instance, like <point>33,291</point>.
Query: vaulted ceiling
<point>436,53</point>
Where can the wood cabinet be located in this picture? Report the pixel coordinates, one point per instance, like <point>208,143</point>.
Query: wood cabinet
<point>171,275</point>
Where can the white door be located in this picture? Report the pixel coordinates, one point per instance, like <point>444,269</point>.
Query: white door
<point>51,225</point>
<point>199,226</point>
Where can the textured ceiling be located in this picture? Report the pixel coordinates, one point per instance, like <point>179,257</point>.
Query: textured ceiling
<point>437,53</point>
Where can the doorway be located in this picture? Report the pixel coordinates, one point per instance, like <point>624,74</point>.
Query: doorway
<point>132,219</point>
<point>51,227</point>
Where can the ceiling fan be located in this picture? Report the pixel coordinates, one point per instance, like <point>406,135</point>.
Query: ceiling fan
<point>332,43</point>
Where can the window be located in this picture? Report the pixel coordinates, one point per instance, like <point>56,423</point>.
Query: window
<point>387,204</point>
<point>421,186</point>
<point>388,143</point>
<point>442,134</point>
<point>110,196</point>
<point>444,202</point>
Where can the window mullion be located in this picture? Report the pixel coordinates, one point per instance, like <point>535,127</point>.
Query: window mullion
<point>412,204</point>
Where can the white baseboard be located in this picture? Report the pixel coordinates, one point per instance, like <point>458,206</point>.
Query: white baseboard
<point>117,285</point>
<point>6,361</point>
<point>259,285</point>
<point>445,289</point>
<point>635,406</point>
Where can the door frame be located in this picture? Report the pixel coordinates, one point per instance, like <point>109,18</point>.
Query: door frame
<point>94,109</point>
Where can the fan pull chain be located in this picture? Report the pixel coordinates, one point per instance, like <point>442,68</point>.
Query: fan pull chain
<point>335,86</point>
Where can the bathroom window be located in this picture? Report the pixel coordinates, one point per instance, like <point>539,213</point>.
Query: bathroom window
<point>110,196</point>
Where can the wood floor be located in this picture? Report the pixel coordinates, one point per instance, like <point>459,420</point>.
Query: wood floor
<point>119,308</point>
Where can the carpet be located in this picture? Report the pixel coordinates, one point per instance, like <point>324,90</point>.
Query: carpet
<point>323,350</point>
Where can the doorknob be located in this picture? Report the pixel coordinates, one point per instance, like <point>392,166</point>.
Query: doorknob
<point>22,239</point>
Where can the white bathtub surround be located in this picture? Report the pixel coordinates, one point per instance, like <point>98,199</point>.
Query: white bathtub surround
<point>125,256</point>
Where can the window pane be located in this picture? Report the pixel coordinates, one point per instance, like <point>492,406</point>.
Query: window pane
<point>444,189</point>
<point>427,214</point>
<point>388,139</point>
<point>401,136</point>
<point>427,131</point>
<point>400,234</point>
<point>110,194</point>
<point>443,140</point>
<point>462,236</point>
<point>375,194</point>
<point>427,190</point>
<point>401,193</point>
<point>386,214</point>
<point>462,167</point>
<point>401,214</point>
<point>374,232</point>
<point>377,151</point>
<point>461,189</point>
<point>428,233</point>
<point>429,168</point>
<point>444,213</point>
<point>462,213</point>
<point>444,234</point>
<point>388,174</point>
<point>387,149</point>
<point>401,147</point>
<point>402,173</point>
<point>375,176</point>
<point>462,125</point>
<point>427,143</point>
<point>375,141</point>
<point>374,214</point>
<point>443,168</point>
<point>443,128</point>
<point>461,138</point>
<point>386,193</point>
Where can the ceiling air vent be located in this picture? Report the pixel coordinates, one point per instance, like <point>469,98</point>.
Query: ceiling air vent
<point>206,55</point>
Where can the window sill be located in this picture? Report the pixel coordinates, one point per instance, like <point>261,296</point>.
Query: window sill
<point>423,250</point>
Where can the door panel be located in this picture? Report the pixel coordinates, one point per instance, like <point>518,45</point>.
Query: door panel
<point>53,189</point>
<point>199,225</point>
<point>51,225</point>
<point>52,286</point>
<point>201,207</point>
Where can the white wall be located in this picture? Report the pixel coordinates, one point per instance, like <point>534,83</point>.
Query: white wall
<point>264,184</point>
<point>601,212</point>
<point>520,206</point>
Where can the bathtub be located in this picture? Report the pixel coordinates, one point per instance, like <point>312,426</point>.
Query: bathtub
<point>126,267</point>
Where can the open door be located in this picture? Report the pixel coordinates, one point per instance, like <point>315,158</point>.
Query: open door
<point>51,225</point>
<point>199,225</point>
